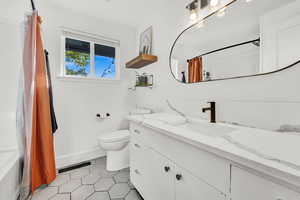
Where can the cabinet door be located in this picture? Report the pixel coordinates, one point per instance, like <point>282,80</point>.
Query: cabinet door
<point>190,187</point>
<point>159,177</point>
<point>247,186</point>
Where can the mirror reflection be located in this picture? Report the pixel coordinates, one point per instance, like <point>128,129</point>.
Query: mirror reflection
<point>246,39</point>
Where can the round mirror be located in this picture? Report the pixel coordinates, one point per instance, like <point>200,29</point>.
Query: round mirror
<point>244,38</point>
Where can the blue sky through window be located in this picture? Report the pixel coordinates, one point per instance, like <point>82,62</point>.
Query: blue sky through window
<point>105,67</point>
<point>73,67</point>
<point>78,59</point>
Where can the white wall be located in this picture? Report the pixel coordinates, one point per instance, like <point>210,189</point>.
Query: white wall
<point>76,102</point>
<point>239,61</point>
<point>264,101</point>
<point>9,53</point>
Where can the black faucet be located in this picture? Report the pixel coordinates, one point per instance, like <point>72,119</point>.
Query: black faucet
<point>212,110</point>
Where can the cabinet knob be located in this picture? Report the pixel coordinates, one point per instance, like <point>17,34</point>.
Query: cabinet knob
<point>167,168</point>
<point>137,146</point>
<point>137,171</point>
<point>137,131</point>
<point>178,177</point>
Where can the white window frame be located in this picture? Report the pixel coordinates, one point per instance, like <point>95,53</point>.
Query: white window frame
<point>92,39</point>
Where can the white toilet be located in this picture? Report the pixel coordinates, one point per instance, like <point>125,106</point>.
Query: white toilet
<point>117,149</point>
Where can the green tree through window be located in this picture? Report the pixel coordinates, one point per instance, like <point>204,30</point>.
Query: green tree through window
<point>80,60</point>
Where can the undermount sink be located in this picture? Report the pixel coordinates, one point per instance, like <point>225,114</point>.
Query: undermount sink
<point>210,129</point>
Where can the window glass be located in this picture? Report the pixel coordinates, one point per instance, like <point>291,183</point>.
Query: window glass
<point>105,58</point>
<point>77,58</point>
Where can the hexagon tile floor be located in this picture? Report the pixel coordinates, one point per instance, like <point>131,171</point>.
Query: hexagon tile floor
<point>90,183</point>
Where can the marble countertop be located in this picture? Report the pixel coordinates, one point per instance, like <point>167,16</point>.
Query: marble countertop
<point>288,172</point>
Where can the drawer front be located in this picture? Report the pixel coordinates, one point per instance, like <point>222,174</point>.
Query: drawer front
<point>137,165</point>
<point>137,180</point>
<point>137,151</point>
<point>247,186</point>
<point>206,166</point>
<point>136,131</point>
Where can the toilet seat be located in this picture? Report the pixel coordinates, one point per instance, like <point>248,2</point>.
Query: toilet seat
<point>117,136</point>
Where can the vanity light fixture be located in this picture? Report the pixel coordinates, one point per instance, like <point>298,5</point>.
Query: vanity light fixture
<point>193,15</point>
<point>214,3</point>
<point>193,8</point>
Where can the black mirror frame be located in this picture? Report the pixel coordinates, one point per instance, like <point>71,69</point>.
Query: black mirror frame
<point>237,77</point>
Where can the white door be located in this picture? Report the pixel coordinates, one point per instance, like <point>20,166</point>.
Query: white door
<point>280,41</point>
<point>159,177</point>
<point>189,187</point>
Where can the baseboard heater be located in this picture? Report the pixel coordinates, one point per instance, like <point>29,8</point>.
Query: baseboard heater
<point>77,166</point>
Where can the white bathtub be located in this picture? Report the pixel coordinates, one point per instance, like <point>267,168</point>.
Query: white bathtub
<point>9,174</point>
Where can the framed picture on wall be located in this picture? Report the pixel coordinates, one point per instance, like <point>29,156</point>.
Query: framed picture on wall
<point>146,41</point>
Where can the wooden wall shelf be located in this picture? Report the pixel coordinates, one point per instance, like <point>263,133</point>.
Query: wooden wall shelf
<point>141,61</point>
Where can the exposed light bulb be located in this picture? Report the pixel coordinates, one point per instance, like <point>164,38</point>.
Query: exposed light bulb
<point>193,15</point>
<point>222,12</point>
<point>248,1</point>
<point>214,3</point>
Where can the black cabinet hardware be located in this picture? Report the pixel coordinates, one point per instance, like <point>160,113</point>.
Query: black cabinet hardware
<point>178,177</point>
<point>167,169</point>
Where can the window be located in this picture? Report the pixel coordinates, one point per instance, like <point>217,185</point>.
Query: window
<point>105,57</point>
<point>77,57</point>
<point>90,57</point>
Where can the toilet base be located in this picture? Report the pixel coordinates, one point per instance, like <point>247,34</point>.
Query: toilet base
<point>117,160</point>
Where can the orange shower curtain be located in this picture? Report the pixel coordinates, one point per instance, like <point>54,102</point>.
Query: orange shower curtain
<point>195,70</point>
<point>33,113</point>
<point>43,170</point>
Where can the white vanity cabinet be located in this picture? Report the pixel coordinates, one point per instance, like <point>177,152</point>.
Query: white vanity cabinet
<point>190,187</point>
<point>157,177</point>
<point>248,186</point>
<point>150,172</point>
<point>170,182</point>
<point>137,166</point>
<point>160,177</point>
<point>168,168</point>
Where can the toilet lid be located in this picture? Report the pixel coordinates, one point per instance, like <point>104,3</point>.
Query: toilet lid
<point>117,136</point>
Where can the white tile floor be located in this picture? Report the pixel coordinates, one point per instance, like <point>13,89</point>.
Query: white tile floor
<point>90,183</point>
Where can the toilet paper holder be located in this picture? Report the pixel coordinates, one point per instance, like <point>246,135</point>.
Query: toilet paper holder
<point>99,116</point>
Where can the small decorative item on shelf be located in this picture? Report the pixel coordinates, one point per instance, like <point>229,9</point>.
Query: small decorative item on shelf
<point>143,80</point>
<point>207,75</point>
<point>146,41</point>
<point>145,51</point>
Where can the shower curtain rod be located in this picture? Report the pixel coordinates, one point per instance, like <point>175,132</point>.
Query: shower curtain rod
<point>32,5</point>
<point>227,47</point>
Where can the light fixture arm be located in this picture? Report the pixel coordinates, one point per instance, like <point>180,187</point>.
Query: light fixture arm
<point>32,5</point>
<point>193,5</point>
